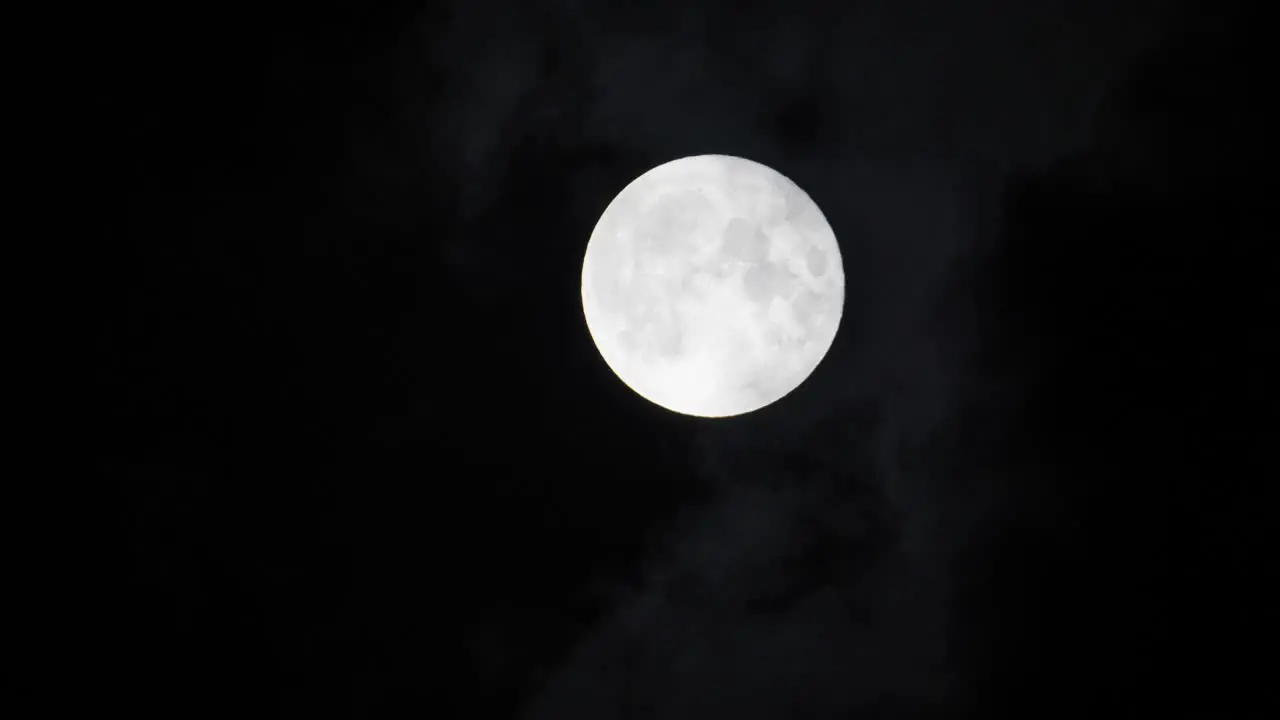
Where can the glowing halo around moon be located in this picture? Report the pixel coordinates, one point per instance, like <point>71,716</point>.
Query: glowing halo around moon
<point>712,286</point>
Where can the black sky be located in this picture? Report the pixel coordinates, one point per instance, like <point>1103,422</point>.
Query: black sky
<point>363,461</point>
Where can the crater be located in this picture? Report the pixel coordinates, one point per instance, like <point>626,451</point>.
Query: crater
<point>745,241</point>
<point>764,282</point>
<point>806,308</point>
<point>816,261</point>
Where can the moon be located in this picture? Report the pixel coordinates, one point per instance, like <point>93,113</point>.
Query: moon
<point>712,286</point>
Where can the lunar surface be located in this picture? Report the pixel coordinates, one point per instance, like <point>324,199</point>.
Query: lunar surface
<point>712,286</point>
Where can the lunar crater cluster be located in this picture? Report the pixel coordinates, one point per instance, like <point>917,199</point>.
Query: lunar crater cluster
<point>712,285</point>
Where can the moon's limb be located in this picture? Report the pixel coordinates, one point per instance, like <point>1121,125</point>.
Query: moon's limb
<point>712,285</point>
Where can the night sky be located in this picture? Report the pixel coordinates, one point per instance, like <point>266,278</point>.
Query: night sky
<point>360,458</point>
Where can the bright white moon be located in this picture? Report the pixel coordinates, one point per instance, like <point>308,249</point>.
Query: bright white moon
<point>712,285</point>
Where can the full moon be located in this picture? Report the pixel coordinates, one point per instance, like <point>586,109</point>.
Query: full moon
<point>712,286</point>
